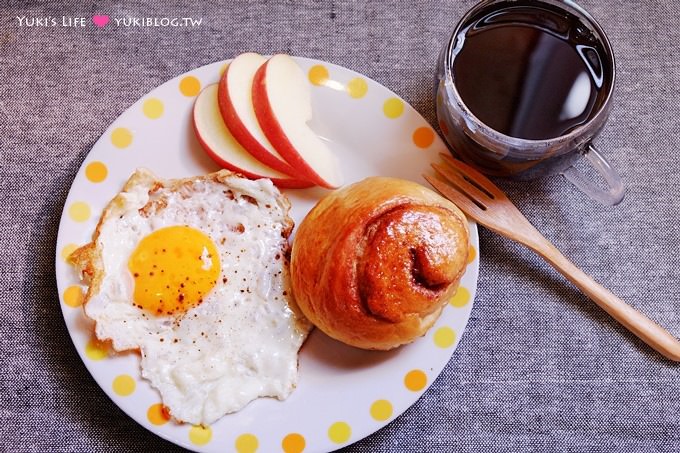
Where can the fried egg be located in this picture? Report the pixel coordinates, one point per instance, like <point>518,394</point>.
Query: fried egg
<point>193,273</point>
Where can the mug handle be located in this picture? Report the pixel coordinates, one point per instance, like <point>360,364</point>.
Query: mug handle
<point>615,192</point>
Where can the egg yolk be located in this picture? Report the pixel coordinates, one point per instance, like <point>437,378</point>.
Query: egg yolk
<point>174,268</point>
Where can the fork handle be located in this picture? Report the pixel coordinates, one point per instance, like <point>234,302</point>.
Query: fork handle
<point>644,328</point>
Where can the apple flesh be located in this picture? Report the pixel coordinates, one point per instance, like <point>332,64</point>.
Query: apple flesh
<point>223,148</point>
<point>236,105</point>
<point>283,106</point>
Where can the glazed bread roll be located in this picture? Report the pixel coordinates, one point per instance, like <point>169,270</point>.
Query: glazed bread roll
<point>374,263</point>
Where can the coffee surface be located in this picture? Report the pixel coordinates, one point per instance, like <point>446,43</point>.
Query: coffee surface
<point>526,81</point>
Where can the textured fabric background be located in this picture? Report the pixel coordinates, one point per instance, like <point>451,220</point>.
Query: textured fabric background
<point>539,367</point>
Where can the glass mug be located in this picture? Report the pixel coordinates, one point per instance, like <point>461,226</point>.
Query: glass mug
<point>528,68</point>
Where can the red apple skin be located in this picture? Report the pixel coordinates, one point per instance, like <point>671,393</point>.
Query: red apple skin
<point>275,133</point>
<point>243,136</point>
<point>278,182</point>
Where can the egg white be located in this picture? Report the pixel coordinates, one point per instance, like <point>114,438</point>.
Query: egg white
<point>242,341</point>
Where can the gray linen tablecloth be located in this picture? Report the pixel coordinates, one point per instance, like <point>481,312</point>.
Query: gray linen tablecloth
<point>539,367</point>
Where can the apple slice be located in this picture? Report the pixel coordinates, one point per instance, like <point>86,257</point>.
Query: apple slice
<point>236,105</point>
<point>283,106</point>
<point>221,146</point>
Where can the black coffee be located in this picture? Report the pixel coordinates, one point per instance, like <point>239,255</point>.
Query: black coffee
<point>529,72</point>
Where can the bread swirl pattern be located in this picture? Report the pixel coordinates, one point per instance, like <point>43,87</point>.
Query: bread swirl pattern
<point>374,263</point>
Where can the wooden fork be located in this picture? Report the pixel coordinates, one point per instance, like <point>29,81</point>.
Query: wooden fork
<point>482,200</point>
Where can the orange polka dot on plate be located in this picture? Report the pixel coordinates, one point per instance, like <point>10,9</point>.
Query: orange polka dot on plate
<point>423,137</point>
<point>200,435</point>
<point>121,137</point>
<point>393,108</point>
<point>461,298</point>
<point>96,350</point>
<point>73,296</point>
<point>96,171</point>
<point>339,432</point>
<point>124,385</point>
<point>415,380</point>
<point>157,414</point>
<point>67,250</point>
<point>189,86</point>
<point>293,443</point>
<point>472,253</point>
<point>381,410</point>
<point>79,211</point>
<point>444,337</point>
<point>153,108</point>
<point>246,443</point>
<point>318,75</point>
<point>357,87</point>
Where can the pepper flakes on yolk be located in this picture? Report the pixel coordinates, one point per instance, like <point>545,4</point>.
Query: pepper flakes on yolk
<point>174,268</point>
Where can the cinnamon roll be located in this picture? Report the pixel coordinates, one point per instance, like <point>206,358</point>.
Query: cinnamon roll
<point>374,263</point>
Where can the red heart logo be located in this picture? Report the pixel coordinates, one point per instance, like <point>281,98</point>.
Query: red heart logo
<point>100,21</point>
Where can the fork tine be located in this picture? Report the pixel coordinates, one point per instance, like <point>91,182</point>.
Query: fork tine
<point>473,174</point>
<point>462,184</point>
<point>464,203</point>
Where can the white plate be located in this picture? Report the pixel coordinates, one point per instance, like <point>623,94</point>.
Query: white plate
<point>343,394</point>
